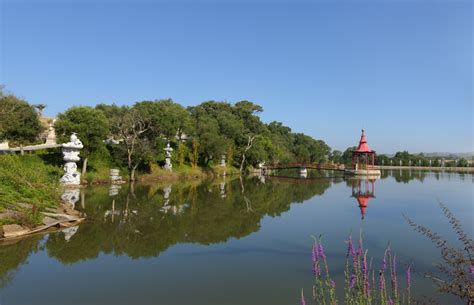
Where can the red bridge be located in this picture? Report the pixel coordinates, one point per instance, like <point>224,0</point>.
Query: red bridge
<point>303,165</point>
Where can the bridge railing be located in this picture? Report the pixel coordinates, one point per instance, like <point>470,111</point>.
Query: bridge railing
<point>304,165</point>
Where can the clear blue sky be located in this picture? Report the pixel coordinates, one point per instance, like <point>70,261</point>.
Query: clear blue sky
<point>401,69</point>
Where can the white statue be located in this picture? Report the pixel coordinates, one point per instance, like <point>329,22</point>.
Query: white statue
<point>223,158</point>
<point>168,166</point>
<point>71,156</point>
<point>51,137</point>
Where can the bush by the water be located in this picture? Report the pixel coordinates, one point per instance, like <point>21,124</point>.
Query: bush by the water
<point>27,187</point>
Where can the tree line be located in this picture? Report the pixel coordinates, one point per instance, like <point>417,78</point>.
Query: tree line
<point>402,157</point>
<point>134,136</point>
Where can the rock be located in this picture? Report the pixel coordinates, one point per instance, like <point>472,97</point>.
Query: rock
<point>14,230</point>
<point>72,212</point>
<point>49,220</point>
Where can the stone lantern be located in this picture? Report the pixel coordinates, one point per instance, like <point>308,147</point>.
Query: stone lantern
<point>168,166</point>
<point>223,159</point>
<point>71,156</point>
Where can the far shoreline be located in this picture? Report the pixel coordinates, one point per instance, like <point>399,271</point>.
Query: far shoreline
<point>429,168</point>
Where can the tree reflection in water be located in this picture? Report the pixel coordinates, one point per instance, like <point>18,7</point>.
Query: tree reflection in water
<point>145,220</point>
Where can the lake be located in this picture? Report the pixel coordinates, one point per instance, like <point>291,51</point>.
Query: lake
<point>229,241</point>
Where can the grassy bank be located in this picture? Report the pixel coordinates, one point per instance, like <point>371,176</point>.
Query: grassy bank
<point>185,172</point>
<point>27,187</point>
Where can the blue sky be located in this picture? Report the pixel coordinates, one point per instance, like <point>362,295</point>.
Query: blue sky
<point>400,69</point>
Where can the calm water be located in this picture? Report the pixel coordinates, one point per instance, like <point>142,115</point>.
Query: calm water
<point>223,242</point>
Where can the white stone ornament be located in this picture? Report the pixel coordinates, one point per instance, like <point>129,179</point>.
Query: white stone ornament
<point>71,156</point>
<point>70,197</point>
<point>168,166</point>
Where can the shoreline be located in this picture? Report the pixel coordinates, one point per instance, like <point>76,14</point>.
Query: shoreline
<point>429,168</point>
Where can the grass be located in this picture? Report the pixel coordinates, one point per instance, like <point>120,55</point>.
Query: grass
<point>184,172</point>
<point>27,187</point>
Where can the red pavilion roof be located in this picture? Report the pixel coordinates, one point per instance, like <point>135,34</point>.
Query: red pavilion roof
<point>363,204</point>
<point>363,147</point>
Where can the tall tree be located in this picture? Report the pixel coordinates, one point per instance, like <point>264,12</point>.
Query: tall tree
<point>19,123</point>
<point>91,126</point>
<point>130,129</point>
<point>168,119</point>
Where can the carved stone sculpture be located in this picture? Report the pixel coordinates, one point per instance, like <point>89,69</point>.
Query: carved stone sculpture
<point>71,156</point>
<point>168,166</point>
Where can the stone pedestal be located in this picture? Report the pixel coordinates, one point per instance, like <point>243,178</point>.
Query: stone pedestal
<point>71,156</point>
<point>115,177</point>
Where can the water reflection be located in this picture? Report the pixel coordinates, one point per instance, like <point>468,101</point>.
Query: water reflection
<point>145,220</point>
<point>363,190</point>
<point>70,196</point>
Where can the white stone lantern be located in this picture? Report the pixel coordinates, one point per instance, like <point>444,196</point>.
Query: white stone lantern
<point>168,149</point>
<point>71,156</point>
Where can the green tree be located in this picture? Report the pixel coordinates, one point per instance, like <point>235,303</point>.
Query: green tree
<point>91,126</point>
<point>182,153</point>
<point>462,162</point>
<point>336,156</point>
<point>167,119</point>
<point>19,123</point>
<point>194,153</point>
<point>130,129</point>
<point>347,155</point>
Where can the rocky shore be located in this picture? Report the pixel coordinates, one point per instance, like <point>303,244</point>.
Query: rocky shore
<point>52,219</point>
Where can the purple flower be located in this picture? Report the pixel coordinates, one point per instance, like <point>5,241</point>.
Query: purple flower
<point>471,269</point>
<point>394,264</point>
<point>364,273</point>
<point>351,250</point>
<point>382,281</point>
<point>350,246</point>
<point>315,259</point>
<point>321,251</point>
<point>303,302</point>
<point>382,272</point>
<point>333,284</point>
<point>314,254</point>
<point>408,277</point>
<point>384,263</point>
<point>394,275</point>
<point>352,281</point>
<point>390,301</point>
